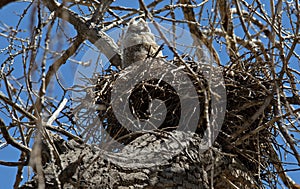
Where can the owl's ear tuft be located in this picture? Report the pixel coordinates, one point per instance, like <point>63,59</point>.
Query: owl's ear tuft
<point>135,20</point>
<point>144,18</point>
<point>132,21</point>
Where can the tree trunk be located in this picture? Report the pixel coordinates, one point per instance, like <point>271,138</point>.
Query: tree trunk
<point>139,165</point>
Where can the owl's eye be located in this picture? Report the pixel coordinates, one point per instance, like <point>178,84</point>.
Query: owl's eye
<point>137,26</point>
<point>143,27</point>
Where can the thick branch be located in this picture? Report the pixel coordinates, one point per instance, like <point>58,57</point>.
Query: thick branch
<point>62,60</point>
<point>197,34</point>
<point>13,164</point>
<point>5,2</point>
<point>100,39</point>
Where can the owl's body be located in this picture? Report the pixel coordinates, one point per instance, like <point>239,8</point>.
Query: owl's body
<point>138,43</point>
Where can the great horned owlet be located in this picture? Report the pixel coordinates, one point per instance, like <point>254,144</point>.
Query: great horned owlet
<point>138,43</point>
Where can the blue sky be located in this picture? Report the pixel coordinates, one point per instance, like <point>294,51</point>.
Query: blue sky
<point>8,16</point>
<point>8,174</point>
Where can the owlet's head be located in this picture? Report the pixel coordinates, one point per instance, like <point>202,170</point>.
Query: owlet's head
<point>137,25</point>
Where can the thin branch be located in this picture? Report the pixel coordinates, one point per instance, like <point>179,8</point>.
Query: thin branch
<point>17,107</point>
<point>100,39</point>
<point>10,140</point>
<point>197,34</point>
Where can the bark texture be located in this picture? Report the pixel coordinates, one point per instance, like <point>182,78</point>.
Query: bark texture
<point>146,163</point>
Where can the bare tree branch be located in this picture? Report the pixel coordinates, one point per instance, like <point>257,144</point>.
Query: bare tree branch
<point>5,2</point>
<point>10,140</point>
<point>88,31</point>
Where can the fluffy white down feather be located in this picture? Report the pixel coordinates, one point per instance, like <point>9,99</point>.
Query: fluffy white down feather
<point>138,43</point>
